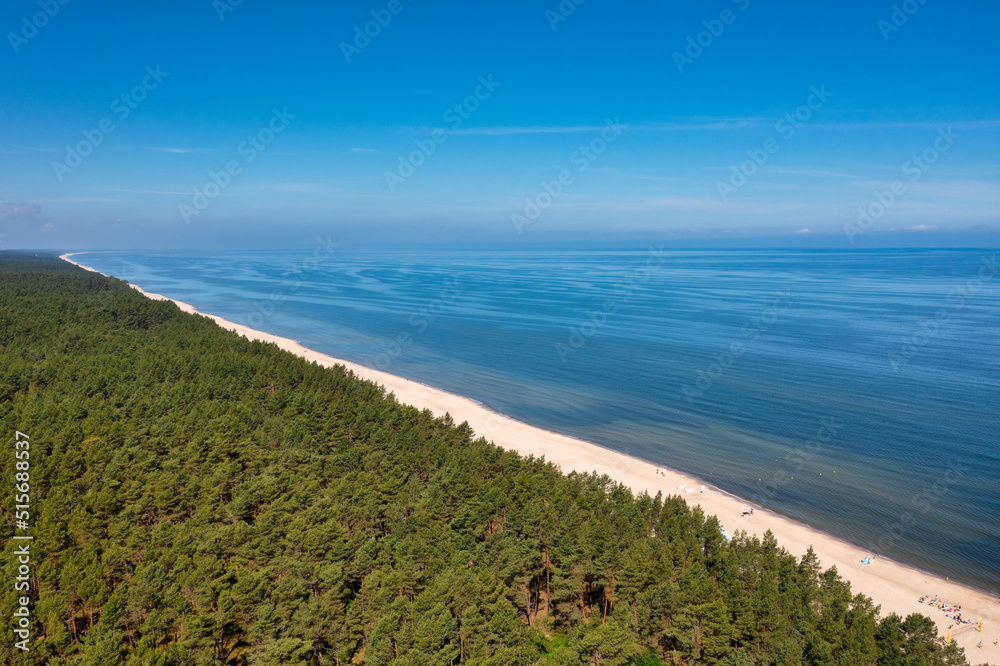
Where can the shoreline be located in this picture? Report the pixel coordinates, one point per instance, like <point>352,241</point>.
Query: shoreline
<point>894,586</point>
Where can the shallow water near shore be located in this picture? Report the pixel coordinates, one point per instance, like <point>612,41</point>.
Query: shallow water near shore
<point>857,392</point>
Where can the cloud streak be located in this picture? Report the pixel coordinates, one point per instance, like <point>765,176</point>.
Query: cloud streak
<point>168,192</point>
<point>12,211</point>
<point>171,149</point>
<point>686,124</point>
<point>706,124</point>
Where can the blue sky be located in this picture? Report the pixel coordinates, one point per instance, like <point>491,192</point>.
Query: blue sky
<point>662,122</point>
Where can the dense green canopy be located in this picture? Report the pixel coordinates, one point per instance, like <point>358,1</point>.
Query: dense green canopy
<point>201,499</point>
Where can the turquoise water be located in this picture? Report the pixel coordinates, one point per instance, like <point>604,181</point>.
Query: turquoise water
<point>855,391</point>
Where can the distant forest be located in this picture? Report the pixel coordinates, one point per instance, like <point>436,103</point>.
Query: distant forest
<point>197,498</point>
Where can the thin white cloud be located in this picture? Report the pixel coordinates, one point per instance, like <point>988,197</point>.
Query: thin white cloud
<point>910,124</point>
<point>535,129</point>
<point>638,176</point>
<point>335,195</point>
<point>171,149</point>
<point>700,124</point>
<point>301,188</point>
<point>929,191</point>
<point>77,199</point>
<point>709,123</point>
<point>694,124</point>
<point>169,192</point>
<point>10,211</point>
<point>812,172</point>
<point>679,203</point>
<point>685,124</point>
<point>24,150</point>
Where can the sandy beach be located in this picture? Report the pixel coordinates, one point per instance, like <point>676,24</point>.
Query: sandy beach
<point>893,586</point>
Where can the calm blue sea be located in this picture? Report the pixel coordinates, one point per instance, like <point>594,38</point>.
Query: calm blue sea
<point>858,391</point>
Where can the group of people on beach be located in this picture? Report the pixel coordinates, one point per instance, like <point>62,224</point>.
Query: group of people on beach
<point>681,486</point>
<point>953,612</point>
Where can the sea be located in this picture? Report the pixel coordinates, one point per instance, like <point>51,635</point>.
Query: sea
<point>854,391</point>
